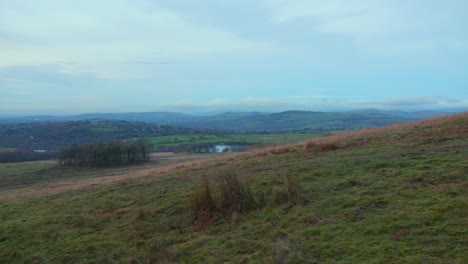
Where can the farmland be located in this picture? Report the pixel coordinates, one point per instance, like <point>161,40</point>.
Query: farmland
<point>241,138</point>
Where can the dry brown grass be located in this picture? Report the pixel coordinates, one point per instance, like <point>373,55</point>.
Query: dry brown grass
<point>290,192</point>
<point>213,200</point>
<point>454,125</point>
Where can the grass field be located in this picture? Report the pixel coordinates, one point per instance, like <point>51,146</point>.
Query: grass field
<point>387,195</point>
<point>243,138</point>
<point>27,174</point>
<point>5,149</point>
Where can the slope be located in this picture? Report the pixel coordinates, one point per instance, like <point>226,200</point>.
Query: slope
<point>394,194</point>
<point>253,121</point>
<point>290,120</point>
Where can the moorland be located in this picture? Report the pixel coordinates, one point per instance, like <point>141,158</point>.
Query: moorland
<point>393,194</point>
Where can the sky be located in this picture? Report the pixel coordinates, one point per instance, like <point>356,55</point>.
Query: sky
<point>69,57</point>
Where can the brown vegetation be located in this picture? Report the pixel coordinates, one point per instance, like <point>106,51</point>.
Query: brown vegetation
<point>230,196</point>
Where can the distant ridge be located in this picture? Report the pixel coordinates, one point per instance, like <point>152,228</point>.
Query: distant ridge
<point>252,121</point>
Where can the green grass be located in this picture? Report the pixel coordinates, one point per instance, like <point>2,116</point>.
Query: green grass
<point>5,149</point>
<point>394,195</point>
<point>102,129</point>
<point>243,138</point>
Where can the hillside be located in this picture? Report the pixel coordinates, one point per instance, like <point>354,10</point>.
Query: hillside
<point>53,136</point>
<point>394,194</point>
<point>254,121</point>
<point>290,120</point>
<point>155,117</point>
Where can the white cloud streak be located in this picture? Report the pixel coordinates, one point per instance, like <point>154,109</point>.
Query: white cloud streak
<point>379,26</point>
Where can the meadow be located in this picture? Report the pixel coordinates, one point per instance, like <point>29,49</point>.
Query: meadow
<point>272,138</point>
<point>396,194</point>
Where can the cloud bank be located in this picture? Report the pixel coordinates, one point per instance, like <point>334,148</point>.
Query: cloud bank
<point>84,56</point>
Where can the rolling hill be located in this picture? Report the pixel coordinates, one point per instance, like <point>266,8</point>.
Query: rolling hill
<point>253,121</point>
<point>53,136</point>
<point>395,194</point>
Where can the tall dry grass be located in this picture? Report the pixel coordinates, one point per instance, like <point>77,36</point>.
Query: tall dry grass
<point>229,195</point>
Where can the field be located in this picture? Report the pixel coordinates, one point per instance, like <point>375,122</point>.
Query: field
<point>242,138</point>
<point>4,149</point>
<point>395,194</point>
<point>102,129</point>
<point>22,178</point>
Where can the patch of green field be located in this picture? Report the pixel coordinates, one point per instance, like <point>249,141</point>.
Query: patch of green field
<point>243,138</point>
<point>5,149</point>
<point>396,196</point>
<point>102,129</point>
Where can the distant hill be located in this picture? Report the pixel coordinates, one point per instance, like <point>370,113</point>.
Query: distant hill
<point>153,117</point>
<point>293,120</point>
<point>253,121</point>
<point>53,136</point>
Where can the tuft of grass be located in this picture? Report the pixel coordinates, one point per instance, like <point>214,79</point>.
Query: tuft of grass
<point>290,192</point>
<point>235,196</point>
<point>293,190</point>
<point>203,208</point>
<point>214,200</point>
<point>279,150</point>
<point>313,146</point>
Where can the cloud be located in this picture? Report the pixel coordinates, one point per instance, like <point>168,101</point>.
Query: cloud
<point>267,104</point>
<point>378,26</point>
<point>414,101</point>
<point>359,18</point>
<point>100,36</point>
<point>145,55</point>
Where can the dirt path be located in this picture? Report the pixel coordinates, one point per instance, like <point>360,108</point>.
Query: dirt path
<point>67,185</point>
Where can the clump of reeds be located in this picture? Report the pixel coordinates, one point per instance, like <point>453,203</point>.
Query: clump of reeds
<point>215,199</point>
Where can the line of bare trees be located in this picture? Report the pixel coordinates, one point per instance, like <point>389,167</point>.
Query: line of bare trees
<point>105,154</point>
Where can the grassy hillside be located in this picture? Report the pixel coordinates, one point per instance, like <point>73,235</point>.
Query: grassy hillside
<point>241,138</point>
<point>253,121</point>
<point>290,120</point>
<point>395,194</point>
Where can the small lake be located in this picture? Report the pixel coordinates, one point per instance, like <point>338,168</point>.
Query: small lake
<point>228,148</point>
<point>223,148</point>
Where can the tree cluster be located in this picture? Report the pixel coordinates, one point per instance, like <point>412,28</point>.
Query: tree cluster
<point>105,154</point>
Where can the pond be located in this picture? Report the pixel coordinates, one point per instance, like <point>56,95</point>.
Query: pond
<point>228,148</point>
<point>219,148</point>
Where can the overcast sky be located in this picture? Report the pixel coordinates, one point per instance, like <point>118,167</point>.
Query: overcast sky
<point>69,57</point>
